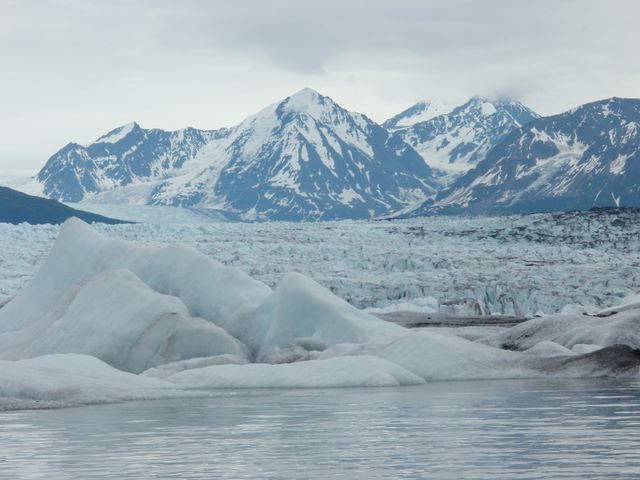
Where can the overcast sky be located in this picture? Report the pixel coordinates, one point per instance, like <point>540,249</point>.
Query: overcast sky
<point>71,70</point>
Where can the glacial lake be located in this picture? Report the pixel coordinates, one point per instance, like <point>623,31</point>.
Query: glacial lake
<point>484,429</point>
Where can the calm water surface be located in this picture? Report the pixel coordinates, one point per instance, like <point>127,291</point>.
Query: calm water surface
<point>496,429</point>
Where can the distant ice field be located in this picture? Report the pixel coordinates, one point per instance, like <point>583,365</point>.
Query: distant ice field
<point>508,265</point>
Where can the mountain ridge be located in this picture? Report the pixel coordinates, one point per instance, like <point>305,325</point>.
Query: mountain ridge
<point>452,143</point>
<point>302,158</point>
<point>307,158</point>
<point>583,158</point>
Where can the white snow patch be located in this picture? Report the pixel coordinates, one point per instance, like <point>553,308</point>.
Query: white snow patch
<point>487,109</point>
<point>118,134</point>
<point>349,195</point>
<point>616,199</point>
<point>428,109</point>
<point>618,165</point>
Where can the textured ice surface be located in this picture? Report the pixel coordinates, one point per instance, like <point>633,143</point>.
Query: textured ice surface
<point>549,348</point>
<point>434,356</point>
<point>524,265</point>
<point>361,371</point>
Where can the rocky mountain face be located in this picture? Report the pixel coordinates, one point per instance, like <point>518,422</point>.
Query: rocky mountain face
<point>127,155</point>
<point>584,158</point>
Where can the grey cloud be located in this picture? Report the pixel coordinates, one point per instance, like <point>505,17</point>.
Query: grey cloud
<point>75,68</point>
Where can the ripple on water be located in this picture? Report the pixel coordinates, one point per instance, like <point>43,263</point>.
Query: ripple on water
<point>493,429</point>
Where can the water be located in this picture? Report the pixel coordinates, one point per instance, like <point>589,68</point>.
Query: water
<point>492,429</point>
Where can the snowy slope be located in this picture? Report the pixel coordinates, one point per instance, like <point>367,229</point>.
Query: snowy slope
<point>586,157</point>
<point>454,140</point>
<point>304,158</point>
<point>420,112</point>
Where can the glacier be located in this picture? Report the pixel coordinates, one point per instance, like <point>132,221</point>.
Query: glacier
<point>108,320</point>
<point>517,265</point>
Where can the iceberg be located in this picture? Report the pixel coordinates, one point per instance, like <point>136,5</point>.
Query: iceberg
<point>68,380</point>
<point>133,308</point>
<point>301,312</point>
<point>136,308</point>
<point>348,371</point>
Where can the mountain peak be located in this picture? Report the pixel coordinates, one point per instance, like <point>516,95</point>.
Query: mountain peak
<point>117,134</point>
<point>497,102</point>
<point>306,94</point>
<point>485,106</point>
<point>304,102</point>
<point>507,108</point>
<point>307,101</point>
<point>428,109</point>
<point>422,111</point>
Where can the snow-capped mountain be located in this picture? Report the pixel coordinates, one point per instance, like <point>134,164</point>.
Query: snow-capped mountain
<point>304,158</point>
<point>586,157</point>
<point>454,140</point>
<point>127,155</point>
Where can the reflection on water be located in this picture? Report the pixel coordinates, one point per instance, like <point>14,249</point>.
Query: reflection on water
<point>493,429</point>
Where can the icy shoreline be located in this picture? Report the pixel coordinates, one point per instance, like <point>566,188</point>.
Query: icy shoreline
<point>107,320</point>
